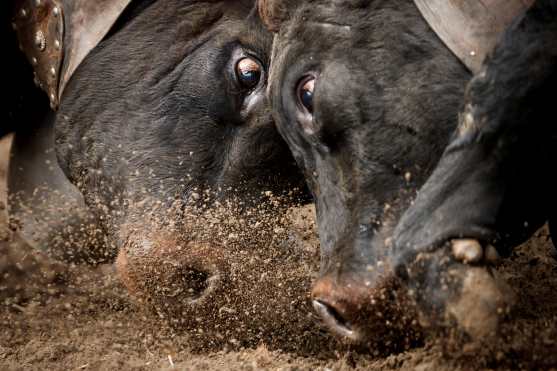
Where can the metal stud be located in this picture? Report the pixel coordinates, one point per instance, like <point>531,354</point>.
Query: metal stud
<point>52,72</point>
<point>40,40</point>
<point>37,2</point>
<point>52,97</point>
<point>55,11</point>
<point>34,61</point>
<point>23,12</point>
<point>36,80</point>
<point>57,44</point>
<point>14,26</point>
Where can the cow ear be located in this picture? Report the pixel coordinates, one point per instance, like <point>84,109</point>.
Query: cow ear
<point>273,13</point>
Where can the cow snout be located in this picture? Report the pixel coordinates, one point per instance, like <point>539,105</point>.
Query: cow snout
<point>362,310</point>
<point>171,275</point>
<point>338,307</point>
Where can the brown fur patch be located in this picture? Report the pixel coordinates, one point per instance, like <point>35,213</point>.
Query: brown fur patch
<point>273,13</point>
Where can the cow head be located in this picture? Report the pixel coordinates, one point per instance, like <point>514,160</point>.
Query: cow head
<point>365,94</point>
<point>165,129</point>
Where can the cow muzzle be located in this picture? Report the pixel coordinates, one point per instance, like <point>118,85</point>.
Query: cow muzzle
<point>167,273</point>
<point>363,311</point>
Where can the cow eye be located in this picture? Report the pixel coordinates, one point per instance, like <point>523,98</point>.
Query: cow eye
<point>248,72</point>
<point>305,93</point>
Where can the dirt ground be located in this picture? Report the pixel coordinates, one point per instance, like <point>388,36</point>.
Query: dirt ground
<point>61,317</point>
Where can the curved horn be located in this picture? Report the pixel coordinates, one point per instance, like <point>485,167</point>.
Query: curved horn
<point>470,28</point>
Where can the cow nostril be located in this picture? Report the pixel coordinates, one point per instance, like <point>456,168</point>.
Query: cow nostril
<point>198,284</point>
<point>335,321</point>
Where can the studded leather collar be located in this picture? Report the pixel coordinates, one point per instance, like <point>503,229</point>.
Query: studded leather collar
<point>56,35</point>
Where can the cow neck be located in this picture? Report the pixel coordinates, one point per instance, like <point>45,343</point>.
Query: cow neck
<point>470,28</point>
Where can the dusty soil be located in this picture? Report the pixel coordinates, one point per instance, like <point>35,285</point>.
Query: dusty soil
<point>57,316</point>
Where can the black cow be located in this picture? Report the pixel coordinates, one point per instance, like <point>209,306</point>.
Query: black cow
<point>493,185</point>
<point>168,110</point>
<point>366,95</point>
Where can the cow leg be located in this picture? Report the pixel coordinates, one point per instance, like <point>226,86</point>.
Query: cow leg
<point>492,184</point>
<point>50,210</point>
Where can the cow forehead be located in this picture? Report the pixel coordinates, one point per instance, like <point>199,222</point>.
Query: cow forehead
<point>469,29</point>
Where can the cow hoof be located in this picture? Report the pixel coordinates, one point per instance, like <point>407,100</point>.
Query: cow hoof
<point>467,250</point>
<point>450,294</point>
